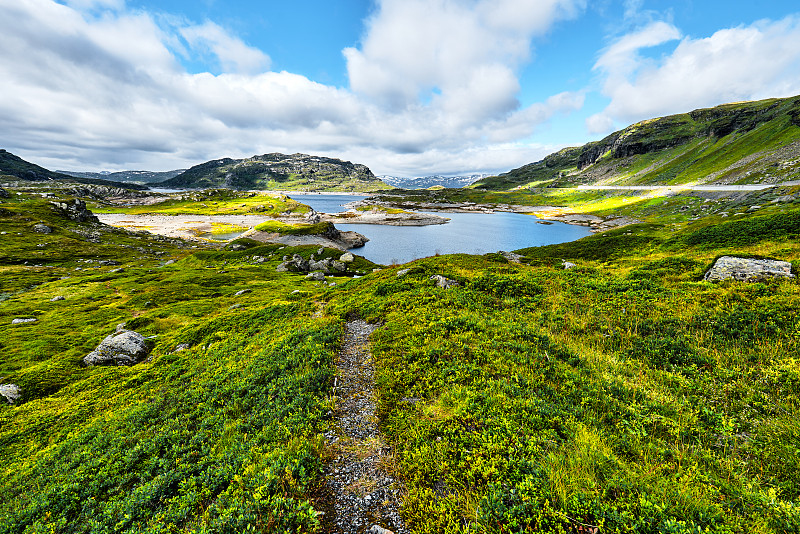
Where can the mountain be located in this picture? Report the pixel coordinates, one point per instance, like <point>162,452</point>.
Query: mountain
<point>423,182</point>
<point>14,167</point>
<point>147,177</point>
<point>741,143</point>
<point>297,172</point>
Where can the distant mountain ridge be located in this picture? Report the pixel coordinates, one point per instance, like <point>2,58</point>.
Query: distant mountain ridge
<point>741,143</point>
<point>15,167</point>
<point>423,182</point>
<point>297,172</point>
<point>147,177</point>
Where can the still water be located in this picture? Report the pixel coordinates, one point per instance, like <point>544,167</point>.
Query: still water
<point>471,233</point>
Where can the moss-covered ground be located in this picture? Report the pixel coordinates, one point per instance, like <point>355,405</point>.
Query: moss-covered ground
<point>623,395</point>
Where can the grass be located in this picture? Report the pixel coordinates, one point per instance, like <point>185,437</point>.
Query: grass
<point>282,228</point>
<point>624,394</point>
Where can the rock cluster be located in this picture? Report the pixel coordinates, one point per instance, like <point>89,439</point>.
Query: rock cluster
<point>298,264</point>
<point>748,269</point>
<point>124,347</point>
<point>75,210</point>
<point>4,193</point>
<point>42,229</point>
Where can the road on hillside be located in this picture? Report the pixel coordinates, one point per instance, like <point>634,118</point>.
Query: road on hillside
<point>753,187</point>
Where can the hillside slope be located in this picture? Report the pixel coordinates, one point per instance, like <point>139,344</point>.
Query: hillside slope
<point>742,143</point>
<point>146,177</point>
<point>15,168</point>
<point>297,172</point>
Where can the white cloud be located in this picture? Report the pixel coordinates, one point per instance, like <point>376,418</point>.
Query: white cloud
<point>105,90</point>
<point>744,63</point>
<point>233,54</point>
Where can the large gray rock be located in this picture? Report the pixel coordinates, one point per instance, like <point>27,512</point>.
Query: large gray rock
<point>443,282</point>
<point>75,210</point>
<point>748,269</point>
<point>42,229</point>
<point>10,392</point>
<point>124,347</point>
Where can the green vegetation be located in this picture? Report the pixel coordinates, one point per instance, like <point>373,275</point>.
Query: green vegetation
<point>624,394</point>
<point>212,202</point>
<point>282,228</point>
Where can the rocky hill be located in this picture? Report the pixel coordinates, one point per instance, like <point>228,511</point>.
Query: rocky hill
<point>296,172</point>
<point>14,168</point>
<point>742,143</point>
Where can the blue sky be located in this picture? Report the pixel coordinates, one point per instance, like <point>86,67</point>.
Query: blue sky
<point>407,87</point>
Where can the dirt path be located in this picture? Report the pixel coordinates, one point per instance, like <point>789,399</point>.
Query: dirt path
<point>360,496</point>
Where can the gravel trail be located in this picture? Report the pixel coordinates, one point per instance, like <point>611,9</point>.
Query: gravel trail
<point>360,496</point>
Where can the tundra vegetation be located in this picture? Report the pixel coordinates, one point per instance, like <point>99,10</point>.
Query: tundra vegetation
<point>623,394</point>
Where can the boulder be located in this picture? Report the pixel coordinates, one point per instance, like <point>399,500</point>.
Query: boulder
<point>748,269</point>
<point>124,347</point>
<point>347,258</point>
<point>317,276</point>
<point>443,282</point>
<point>242,292</point>
<point>402,272</point>
<point>567,265</point>
<point>511,257</point>
<point>10,392</point>
<point>42,229</point>
<point>75,210</point>
<point>57,298</point>
<point>24,320</point>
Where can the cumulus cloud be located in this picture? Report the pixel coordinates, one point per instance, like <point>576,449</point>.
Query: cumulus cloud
<point>432,91</point>
<point>744,63</point>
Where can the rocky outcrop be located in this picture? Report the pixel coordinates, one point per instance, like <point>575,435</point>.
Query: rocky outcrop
<point>75,210</point>
<point>4,193</point>
<point>10,392</point>
<point>124,347</point>
<point>42,229</point>
<point>748,269</point>
<point>298,264</point>
<point>330,238</point>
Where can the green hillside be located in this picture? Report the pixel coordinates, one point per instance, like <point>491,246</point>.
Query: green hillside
<point>743,143</point>
<point>296,172</point>
<point>13,168</point>
<point>625,394</point>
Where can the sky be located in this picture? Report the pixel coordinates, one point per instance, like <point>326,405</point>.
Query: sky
<point>406,87</point>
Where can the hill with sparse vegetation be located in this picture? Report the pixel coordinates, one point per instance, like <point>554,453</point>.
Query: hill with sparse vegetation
<point>296,172</point>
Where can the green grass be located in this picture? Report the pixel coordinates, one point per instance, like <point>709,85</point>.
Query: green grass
<point>294,229</point>
<point>625,393</point>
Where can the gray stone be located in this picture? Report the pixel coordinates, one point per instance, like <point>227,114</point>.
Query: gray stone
<point>402,272</point>
<point>42,229</point>
<point>10,392</point>
<point>338,266</point>
<point>317,276</point>
<point>347,258</point>
<point>376,529</point>
<point>320,250</point>
<point>748,269</point>
<point>124,347</point>
<point>75,210</point>
<point>242,292</point>
<point>24,320</point>
<point>568,265</point>
<point>443,282</point>
<point>56,299</point>
<point>181,347</point>
<point>511,257</point>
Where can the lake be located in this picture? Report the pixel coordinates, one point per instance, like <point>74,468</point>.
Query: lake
<point>471,233</point>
